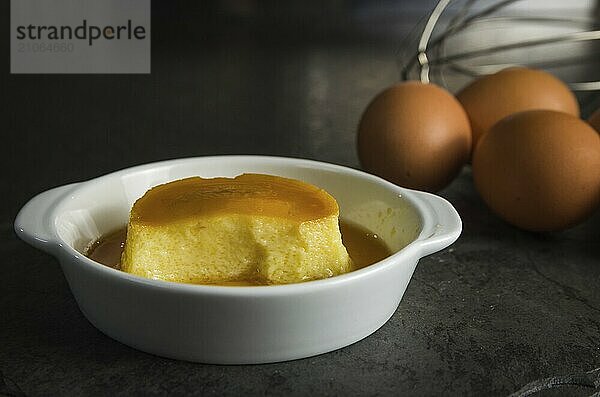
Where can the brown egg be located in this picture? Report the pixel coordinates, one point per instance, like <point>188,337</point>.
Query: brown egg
<point>493,97</point>
<point>415,135</point>
<point>594,120</point>
<point>539,169</point>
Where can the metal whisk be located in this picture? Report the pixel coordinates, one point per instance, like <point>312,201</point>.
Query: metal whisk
<point>462,40</point>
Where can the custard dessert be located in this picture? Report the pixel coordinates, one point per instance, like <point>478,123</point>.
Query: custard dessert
<point>264,228</point>
<point>364,247</point>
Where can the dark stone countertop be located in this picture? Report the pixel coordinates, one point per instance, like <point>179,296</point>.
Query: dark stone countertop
<point>498,309</point>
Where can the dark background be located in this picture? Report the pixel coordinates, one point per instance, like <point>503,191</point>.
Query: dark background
<point>498,309</point>
<point>227,77</point>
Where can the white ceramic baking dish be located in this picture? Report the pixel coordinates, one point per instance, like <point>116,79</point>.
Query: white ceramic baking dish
<point>228,324</point>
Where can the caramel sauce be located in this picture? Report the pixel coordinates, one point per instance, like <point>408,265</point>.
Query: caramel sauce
<point>253,194</point>
<point>364,247</point>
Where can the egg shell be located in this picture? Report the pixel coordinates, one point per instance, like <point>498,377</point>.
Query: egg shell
<point>415,135</point>
<point>594,120</point>
<point>491,98</point>
<point>539,170</point>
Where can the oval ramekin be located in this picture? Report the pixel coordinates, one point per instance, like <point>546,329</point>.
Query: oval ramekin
<point>238,325</point>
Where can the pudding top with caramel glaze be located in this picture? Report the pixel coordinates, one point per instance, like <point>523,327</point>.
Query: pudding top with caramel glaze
<point>249,194</point>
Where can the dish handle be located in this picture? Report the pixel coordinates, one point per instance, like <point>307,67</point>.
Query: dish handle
<point>32,223</point>
<point>443,228</point>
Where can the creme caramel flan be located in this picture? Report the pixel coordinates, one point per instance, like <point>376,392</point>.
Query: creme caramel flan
<point>265,228</point>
